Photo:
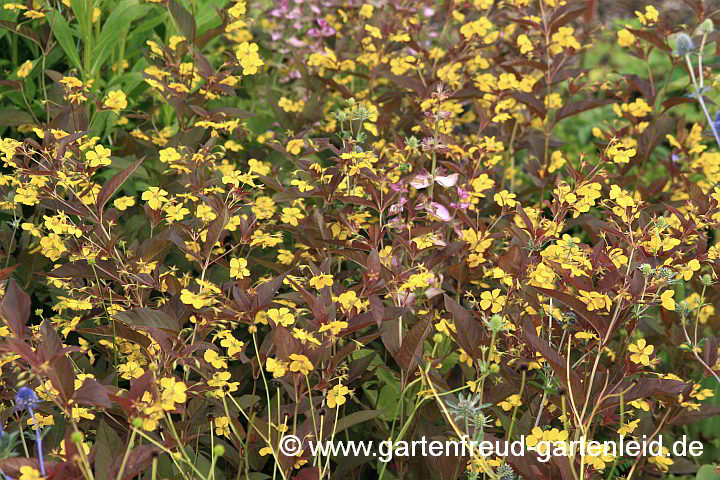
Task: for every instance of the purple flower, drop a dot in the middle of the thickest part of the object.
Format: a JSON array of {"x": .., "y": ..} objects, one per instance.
[{"x": 26, "y": 399}]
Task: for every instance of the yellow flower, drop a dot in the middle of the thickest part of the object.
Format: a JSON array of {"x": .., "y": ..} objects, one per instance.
[
  {"x": 155, "y": 197},
  {"x": 214, "y": 358},
  {"x": 29, "y": 473},
  {"x": 291, "y": 215},
  {"x": 261, "y": 168},
  {"x": 504, "y": 198},
  {"x": 625, "y": 38},
  {"x": 222, "y": 426},
  {"x": 334, "y": 327},
  {"x": 641, "y": 352},
  {"x": 232, "y": 344},
  {"x": 346, "y": 299},
  {"x": 281, "y": 316},
  {"x": 668, "y": 302},
  {"x": 264, "y": 207},
  {"x": 294, "y": 147},
  {"x": 237, "y": 10},
  {"x": 172, "y": 390},
  {"x": 238, "y": 268},
  {"x": 650, "y": 16},
  {"x": 98, "y": 157},
  {"x": 492, "y": 300},
  {"x": 620, "y": 155},
  {"x": 300, "y": 363},
  {"x": 205, "y": 213},
  {"x": 169, "y": 155},
  {"x": 336, "y": 396},
  {"x": 563, "y": 38},
  {"x": 175, "y": 212},
  {"x": 510, "y": 402},
  {"x": 479, "y": 27},
  {"x": 249, "y": 59},
  {"x": 197, "y": 300},
  {"x": 641, "y": 404},
  {"x": 629, "y": 427},
  {"x": 585, "y": 335},
  {"x": 366, "y": 10},
  {"x": 122, "y": 203},
  {"x": 524, "y": 43},
  {"x": 116, "y": 101},
  {"x": 25, "y": 69},
  {"x": 321, "y": 281},
  {"x": 130, "y": 370},
  {"x": 662, "y": 461},
  {"x": 595, "y": 300},
  {"x": 686, "y": 271},
  {"x": 43, "y": 420},
  {"x": 277, "y": 367}
]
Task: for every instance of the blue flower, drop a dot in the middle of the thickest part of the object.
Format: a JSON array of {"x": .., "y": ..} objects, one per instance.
[{"x": 26, "y": 399}]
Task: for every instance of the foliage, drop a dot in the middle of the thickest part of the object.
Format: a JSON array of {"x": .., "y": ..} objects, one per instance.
[{"x": 223, "y": 223}]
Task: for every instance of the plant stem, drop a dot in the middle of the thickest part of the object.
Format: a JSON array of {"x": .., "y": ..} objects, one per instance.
[
  {"x": 127, "y": 454},
  {"x": 38, "y": 441},
  {"x": 701, "y": 101}
]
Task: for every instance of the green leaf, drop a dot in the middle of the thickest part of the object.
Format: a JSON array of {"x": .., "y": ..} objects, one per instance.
[
  {"x": 708, "y": 472},
  {"x": 15, "y": 118},
  {"x": 111, "y": 34},
  {"x": 108, "y": 443},
  {"x": 355, "y": 418},
  {"x": 7, "y": 15},
  {"x": 387, "y": 402},
  {"x": 81, "y": 11},
  {"x": 64, "y": 35}
]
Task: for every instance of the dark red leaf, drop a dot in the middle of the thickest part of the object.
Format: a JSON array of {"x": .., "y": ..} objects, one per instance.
[
  {"x": 15, "y": 309},
  {"x": 112, "y": 185}
]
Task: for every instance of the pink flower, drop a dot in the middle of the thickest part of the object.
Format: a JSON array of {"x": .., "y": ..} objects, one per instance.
[
  {"x": 325, "y": 29},
  {"x": 463, "y": 197},
  {"x": 447, "y": 180},
  {"x": 397, "y": 208},
  {"x": 438, "y": 210},
  {"x": 398, "y": 187},
  {"x": 423, "y": 179}
]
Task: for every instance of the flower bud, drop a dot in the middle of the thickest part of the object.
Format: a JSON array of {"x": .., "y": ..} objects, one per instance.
[
  {"x": 219, "y": 450},
  {"x": 76, "y": 438},
  {"x": 705, "y": 28},
  {"x": 137, "y": 422},
  {"x": 496, "y": 323}
]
